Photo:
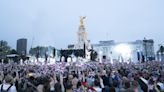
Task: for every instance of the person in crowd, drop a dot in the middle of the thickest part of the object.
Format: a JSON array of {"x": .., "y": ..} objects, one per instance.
[
  {"x": 90, "y": 77},
  {"x": 8, "y": 84},
  {"x": 97, "y": 87}
]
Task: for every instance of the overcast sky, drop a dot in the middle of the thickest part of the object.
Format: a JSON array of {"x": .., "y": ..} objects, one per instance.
[{"x": 55, "y": 22}]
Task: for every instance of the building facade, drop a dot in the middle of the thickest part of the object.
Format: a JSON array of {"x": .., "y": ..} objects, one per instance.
[
  {"x": 148, "y": 49},
  {"x": 22, "y": 46},
  {"x": 138, "y": 50}
]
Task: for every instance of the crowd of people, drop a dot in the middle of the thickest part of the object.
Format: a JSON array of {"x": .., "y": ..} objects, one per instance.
[{"x": 83, "y": 77}]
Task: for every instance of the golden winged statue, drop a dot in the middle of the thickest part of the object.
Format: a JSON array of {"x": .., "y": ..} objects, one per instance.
[{"x": 82, "y": 20}]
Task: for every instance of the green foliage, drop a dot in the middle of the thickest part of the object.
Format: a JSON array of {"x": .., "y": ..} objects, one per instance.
[
  {"x": 93, "y": 55},
  {"x": 4, "y": 48},
  {"x": 13, "y": 51},
  {"x": 161, "y": 49}
]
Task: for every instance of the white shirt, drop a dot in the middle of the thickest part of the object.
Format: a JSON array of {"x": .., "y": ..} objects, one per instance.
[
  {"x": 6, "y": 86},
  {"x": 98, "y": 89}
]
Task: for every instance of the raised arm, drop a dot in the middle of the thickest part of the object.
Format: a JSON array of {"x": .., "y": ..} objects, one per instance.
[
  {"x": 101, "y": 82},
  {"x": 61, "y": 82}
]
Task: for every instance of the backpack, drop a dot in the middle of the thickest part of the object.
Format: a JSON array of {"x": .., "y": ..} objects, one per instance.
[{"x": 5, "y": 90}]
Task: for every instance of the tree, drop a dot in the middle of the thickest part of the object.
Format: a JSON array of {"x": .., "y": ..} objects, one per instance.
[
  {"x": 93, "y": 55},
  {"x": 160, "y": 53},
  {"x": 4, "y": 48},
  {"x": 13, "y": 51},
  {"x": 161, "y": 49}
]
